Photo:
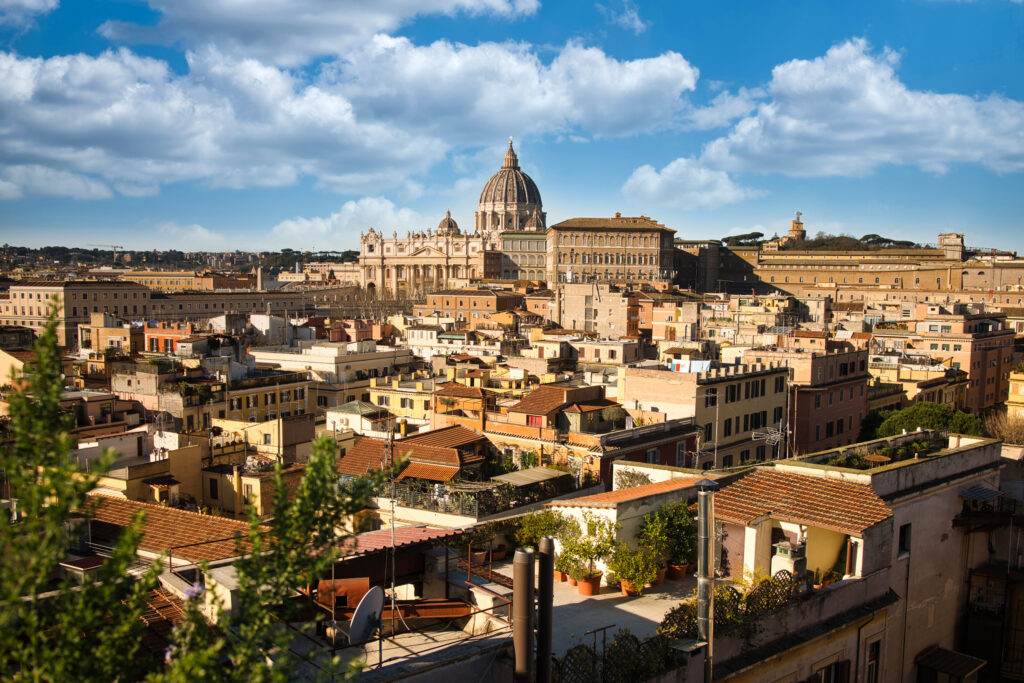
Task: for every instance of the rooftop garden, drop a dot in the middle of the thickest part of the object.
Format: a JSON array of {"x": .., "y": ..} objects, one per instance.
[{"x": 882, "y": 452}]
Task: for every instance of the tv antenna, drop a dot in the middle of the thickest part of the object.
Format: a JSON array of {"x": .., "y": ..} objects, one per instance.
[{"x": 773, "y": 436}]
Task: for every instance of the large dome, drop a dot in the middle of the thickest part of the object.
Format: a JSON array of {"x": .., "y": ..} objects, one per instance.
[
  {"x": 509, "y": 199},
  {"x": 510, "y": 185}
]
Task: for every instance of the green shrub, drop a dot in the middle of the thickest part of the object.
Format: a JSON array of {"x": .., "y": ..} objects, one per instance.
[{"x": 639, "y": 567}]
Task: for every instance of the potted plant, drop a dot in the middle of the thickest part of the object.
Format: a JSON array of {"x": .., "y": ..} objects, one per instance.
[
  {"x": 654, "y": 537},
  {"x": 537, "y": 525},
  {"x": 562, "y": 565},
  {"x": 634, "y": 568},
  {"x": 681, "y": 533},
  {"x": 596, "y": 541}
]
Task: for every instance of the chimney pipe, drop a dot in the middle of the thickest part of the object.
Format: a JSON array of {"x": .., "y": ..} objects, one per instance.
[
  {"x": 705, "y": 570},
  {"x": 522, "y": 615},
  {"x": 545, "y": 605}
]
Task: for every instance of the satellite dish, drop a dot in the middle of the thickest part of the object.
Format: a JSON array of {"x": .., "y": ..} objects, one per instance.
[{"x": 367, "y": 616}]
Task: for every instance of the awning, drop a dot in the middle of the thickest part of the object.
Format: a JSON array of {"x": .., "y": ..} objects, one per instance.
[
  {"x": 955, "y": 664},
  {"x": 162, "y": 482},
  {"x": 532, "y": 475},
  {"x": 422, "y": 470},
  {"x": 979, "y": 493}
]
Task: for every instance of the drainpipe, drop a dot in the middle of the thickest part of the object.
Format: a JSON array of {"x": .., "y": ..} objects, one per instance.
[
  {"x": 705, "y": 570},
  {"x": 522, "y": 615}
]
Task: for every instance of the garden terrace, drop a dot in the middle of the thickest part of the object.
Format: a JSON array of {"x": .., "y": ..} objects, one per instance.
[{"x": 885, "y": 452}]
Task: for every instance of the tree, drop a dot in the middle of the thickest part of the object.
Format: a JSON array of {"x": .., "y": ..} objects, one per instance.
[
  {"x": 54, "y": 631},
  {"x": 1002, "y": 426},
  {"x": 626, "y": 478},
  {"x": 931, "y": 416},
  {"x": 51, "y": 630}
]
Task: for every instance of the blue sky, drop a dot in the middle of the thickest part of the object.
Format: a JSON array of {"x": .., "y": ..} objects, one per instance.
[{"x": 263, "y": 124}]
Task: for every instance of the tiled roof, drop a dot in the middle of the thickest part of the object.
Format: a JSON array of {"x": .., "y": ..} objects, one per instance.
[
  {"x": 590, "y": 406},
  {"x": 24, "y": 355},
  {"x": 422, "y": 470},
  {"x": 613, "y": 223},
  {"x": 610, "y": 499},
  {"x": 460, "y": 391},
  {"x": 446, "y": 437},
  {"x": 826, "y": 503},
  {"x": 373, "y": 541},
  {"x": 206, "y": 537},
  {"x": 541, "y": 401},
  {"x": 366, "y": 456}
]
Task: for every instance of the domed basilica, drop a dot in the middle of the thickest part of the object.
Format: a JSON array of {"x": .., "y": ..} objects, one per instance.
[{"x": 447, "y": 258}]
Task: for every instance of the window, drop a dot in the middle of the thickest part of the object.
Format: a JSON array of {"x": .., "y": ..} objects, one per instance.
[
  {"x": 744, "y": 456},
  {"x": 836, "y": 672},
  {"x": 709, "y": 432},
  {"x": 904, "y": 540},
  {"x": 535, "y": 420},
  {"x": 817, "y": 400},
  {"x": 711, "y": 397},
  {"x": 652, "y": 456},
  {"x": 681, "y": 454},
  {"x": 727, "y": 461},
  {"x": 213, "y": 489},
  {"x": 727, "y": 428},
  {"x": 760, "y": 453},
  {"x": 873, "y": 663},
  {"x": 266, "y": 439},
  {"x": 247, "y": 491}
]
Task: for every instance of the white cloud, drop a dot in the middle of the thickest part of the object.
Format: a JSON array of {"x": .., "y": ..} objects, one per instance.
[
  {"x": 22, "y": 12},
  {"x": 723, "y": 110},
  {"x": 475, "y": 93},
  {"x": 291, "y": 32},
  {"x": 340, "y": 227},
  {"x": 628, "y": 17},
  {"x": 684, "y": 183},
  {"x": 847, "y": 113},
  {"x": 369, "y": 124},
  {"x": 41, "y": 180}
]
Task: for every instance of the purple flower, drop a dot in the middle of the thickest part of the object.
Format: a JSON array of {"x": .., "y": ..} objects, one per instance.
[{"x": 194, "y": 591}]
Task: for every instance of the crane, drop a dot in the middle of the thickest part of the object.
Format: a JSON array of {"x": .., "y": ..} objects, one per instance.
[{"x": 112, "y": 247}]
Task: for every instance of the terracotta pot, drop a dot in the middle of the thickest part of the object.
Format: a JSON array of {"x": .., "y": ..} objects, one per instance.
[
  {"x": 497, "y": 555},
  {"x": 660, "y": 579},
  {"x": 559, "y": 576},
  {"x": 678, "y": 572},
  {"x": 628, "y": 589},
  {"x": 479, "y": 557},
  {"x": 572, "y": 581},
  {"x": 590, "y": 585}
]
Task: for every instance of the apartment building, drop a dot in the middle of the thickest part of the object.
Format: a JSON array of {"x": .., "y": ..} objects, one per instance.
[
  {"x": 468, "y": 304},
  {"x": 731, "y": 405},
  {"x": 405, "y": 396},
  {"x": 967, "y": 338},
  {"x": 606, "y": 310},
  {"x": 28, "y": 304},
  {"x": 105, "y": 331},
  {"x": 620, "y": 248},
  {"x": 920, "y": 378},
  {"x": 827, "y": 395}
]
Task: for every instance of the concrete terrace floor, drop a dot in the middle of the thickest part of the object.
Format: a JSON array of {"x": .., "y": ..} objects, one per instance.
[{"x": 574, "y": 614}]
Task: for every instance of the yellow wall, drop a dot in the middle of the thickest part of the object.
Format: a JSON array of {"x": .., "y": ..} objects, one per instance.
[{"x": 823, "y": 548}]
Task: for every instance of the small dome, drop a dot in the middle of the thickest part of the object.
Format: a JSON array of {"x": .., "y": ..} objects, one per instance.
[
  {"x": 510, "y": 185},
  {"x": 448, "y": 226}
]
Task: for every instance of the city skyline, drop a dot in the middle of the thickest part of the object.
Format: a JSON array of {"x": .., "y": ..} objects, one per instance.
[{"x": 210, "y": 125}]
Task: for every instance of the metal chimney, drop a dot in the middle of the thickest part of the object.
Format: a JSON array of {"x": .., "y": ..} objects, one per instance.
[
  {"x": 706, "y": 570},
  {"x": 522, "y": 615},
  {"x": 545, "y": 604}
]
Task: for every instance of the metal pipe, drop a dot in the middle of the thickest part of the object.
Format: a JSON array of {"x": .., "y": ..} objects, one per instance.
[
  {"x": 545, "y": 607},
  {"x": 705, "y": 570},
  {"x": 522, "y": 614}
]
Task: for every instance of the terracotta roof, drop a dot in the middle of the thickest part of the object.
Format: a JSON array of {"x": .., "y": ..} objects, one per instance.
[
  {"x": 541, "y": 401},
  {"x": 366, "y": 456},
  {"x": 610, "y": 499},
  {"x": 206, "y": 537},
  {"x": 590, "y": 406},
  {"x": 826, "y": 503},
  {"x": 613, "y": 223},
  {"x": 24, "y": 355},
  {"x": 373, "y": 541},
  {"x": 422, "y": 470},
  {"x": 460, "y": 391},
  {"x": 808, "y": 334},
  {"x": 446, "y": 437}
]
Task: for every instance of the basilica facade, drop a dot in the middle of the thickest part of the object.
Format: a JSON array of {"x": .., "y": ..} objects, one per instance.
[{"x": 447, "y": 257}]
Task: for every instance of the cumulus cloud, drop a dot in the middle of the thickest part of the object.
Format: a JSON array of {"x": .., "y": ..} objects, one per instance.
[
  {"x": 41, "y": 180},
  {"x": 628, "y": 17},
  {"x": 21, "y": 12},
  {"x": 473, "y": 93},
  {"x": 724, "y": 109},
  {"x": 847, "y": 113},
  {"x": 365, "y": 125},
  {"x": 291, "y": 32},
  {"x": 340, "y": 227},
  {"x": 685, "y": 184}
]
